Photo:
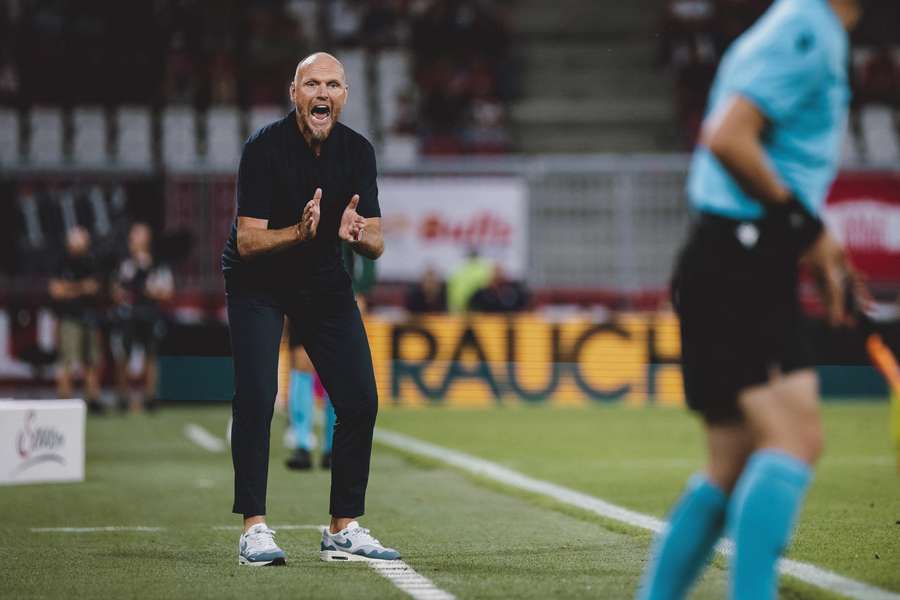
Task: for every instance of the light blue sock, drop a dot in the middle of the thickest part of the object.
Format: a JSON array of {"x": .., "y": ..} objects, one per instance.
[
  {"x": 684, "y": 547},
  {"x": 300, "y": 406},
  {"x": 328, "y": 432},
  {"x": 761, "y": 516}
]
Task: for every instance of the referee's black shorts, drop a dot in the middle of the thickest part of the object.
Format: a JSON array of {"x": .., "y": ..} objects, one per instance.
[{"x": 735, "y": 292}]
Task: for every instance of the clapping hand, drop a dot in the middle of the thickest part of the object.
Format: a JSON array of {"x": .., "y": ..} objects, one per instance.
[
  {"x": 309, "y": 222},
  {"x": 353, "y": 226}
]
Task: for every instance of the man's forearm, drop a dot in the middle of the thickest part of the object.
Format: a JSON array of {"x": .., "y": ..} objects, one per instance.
[
  {"x": 252, "y": 241},
  {"x": 745, "y": 160}
]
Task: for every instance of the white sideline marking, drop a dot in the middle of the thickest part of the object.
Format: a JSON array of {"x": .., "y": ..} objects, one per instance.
[
  {"x": 275, "y": 527},
  {"x": 203, "y": 438},
  {"x": 805, "y": 572},
  {"x": 407, "y": 580},
  {"x": 90, "y": 529}
]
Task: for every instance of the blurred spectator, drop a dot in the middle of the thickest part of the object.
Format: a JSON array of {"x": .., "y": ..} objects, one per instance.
[
  {"x": 501, "y": 295},
  {"x": 428, "y": 295},
  {"x": 139, "y": 286},
  {"x": 463, "y": 69},
  {"x": 381, "y": 24},
  {"x": 694, "y": 35},
  {"x": 198, "y": 53},
  {"x": 474, "y": 274},
  {"x": 274, "y": 46},
  {"x": 689, "y": 49},
  {"x": 181, "y": 80},
  {"x": 74, "y": 289},
  {"x": 880, "y": 77},
  {"x": 10, "y": 86},
  {"x": 223, "y": 77}
]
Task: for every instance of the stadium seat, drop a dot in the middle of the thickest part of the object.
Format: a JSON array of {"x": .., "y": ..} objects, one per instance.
[
  {"x": 89, "y": 146},
  {"x": 9, "y": 137},
  {"x": 179, "y": 138},
  {"x": 46, "y": 141},
  {"x": 880, "y": 135},
  {"x": 223, "y": 137},
  {"x": 399, "y": 150},
  {"x": 260, "y": 116},
  {"x": 356, "y": 114},
  {"x": 134, "y": 145}
]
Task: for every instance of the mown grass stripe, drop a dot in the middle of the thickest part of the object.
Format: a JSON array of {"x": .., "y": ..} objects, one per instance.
[{"x": 805, "y": 572}]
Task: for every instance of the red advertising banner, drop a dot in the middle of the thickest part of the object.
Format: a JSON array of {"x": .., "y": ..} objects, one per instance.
[{"x": 863, "y": 211}]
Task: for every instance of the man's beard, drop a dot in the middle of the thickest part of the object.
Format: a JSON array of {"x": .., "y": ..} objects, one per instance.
[{"x": 316, "y": 134}]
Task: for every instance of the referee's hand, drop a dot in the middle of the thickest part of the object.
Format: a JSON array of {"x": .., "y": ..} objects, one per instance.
[
  {"x": 835, "y": 276},
  {"x": 309, "y": 222}
]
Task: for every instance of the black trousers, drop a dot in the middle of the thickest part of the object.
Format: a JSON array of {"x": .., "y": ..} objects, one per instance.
[{"x": 334, "y": 337}]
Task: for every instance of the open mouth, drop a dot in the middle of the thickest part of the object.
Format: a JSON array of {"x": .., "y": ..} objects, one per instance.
[{"x": 320, "y": 113}]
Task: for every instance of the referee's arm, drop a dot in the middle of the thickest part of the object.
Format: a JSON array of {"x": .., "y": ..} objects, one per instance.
[{"x": 733, "y": 136}]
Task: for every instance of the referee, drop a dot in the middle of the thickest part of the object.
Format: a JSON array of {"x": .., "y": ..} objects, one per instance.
[
  {"x": 305, "y": 184},
  {"x": 768, "y": 153}
]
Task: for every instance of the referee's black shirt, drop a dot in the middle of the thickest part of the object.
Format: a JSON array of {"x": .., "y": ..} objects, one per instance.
[{"x": 277, "y": 176}]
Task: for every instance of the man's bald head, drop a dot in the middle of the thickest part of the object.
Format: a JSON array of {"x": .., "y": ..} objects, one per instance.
[{"x": 317, "y": 59}]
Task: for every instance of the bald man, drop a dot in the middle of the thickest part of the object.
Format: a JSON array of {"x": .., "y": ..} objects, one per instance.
[{"x": 306, "y": 183}]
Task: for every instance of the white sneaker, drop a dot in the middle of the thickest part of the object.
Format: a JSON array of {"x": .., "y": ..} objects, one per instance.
[
  {"x": 353, "y": 543},
  {"x": 257, "y": 548}
]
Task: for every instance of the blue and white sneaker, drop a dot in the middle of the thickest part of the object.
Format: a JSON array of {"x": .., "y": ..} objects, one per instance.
[
  {"x": 353, "y": 543},
  {"x": 257, "y": 548}
]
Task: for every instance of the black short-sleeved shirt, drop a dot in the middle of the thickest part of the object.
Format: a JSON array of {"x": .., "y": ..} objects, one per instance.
[
  {"x": 71, "y": 269},
  {"x": 278, "y": 175}
]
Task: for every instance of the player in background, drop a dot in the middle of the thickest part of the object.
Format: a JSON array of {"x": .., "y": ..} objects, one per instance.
[
  {"x": 301, "y": 400},
  {"x": 302, "y": 411},
  {"x": 768, "y": 153}
]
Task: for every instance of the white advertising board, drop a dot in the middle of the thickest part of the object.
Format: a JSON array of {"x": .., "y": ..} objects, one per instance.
[
  {"x": 41, "y": 441},
  {"x": 435, "y": 221}
]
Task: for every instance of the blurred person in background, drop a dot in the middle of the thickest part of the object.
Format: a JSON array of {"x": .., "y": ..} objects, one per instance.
[
  {"x": 429, "y": 295},
  {"x": 283, "y": 258},
  {"x": 75, "y": 289},
  {"x": 301, "y": 401},
  {"x": 139, "y": 285},
  {"x": 769, "y": 151},
  {"x": 500, "y": 295},
  {"x": 881, "y": 78},
  {"x": 472, "y": 275}
]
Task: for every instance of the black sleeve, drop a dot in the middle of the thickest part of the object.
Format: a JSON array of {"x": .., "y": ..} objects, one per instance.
[
  {"x": 254, "y": 183},
  {"x": 367, "y": 184}
]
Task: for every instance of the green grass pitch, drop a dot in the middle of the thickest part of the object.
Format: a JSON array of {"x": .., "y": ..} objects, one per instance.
[{"x": 473, "y": 538}]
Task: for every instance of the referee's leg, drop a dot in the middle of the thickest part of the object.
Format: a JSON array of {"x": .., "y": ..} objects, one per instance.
[
  {"x": 340, "y": 353},
  {"x": 255, "y": 324}
]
